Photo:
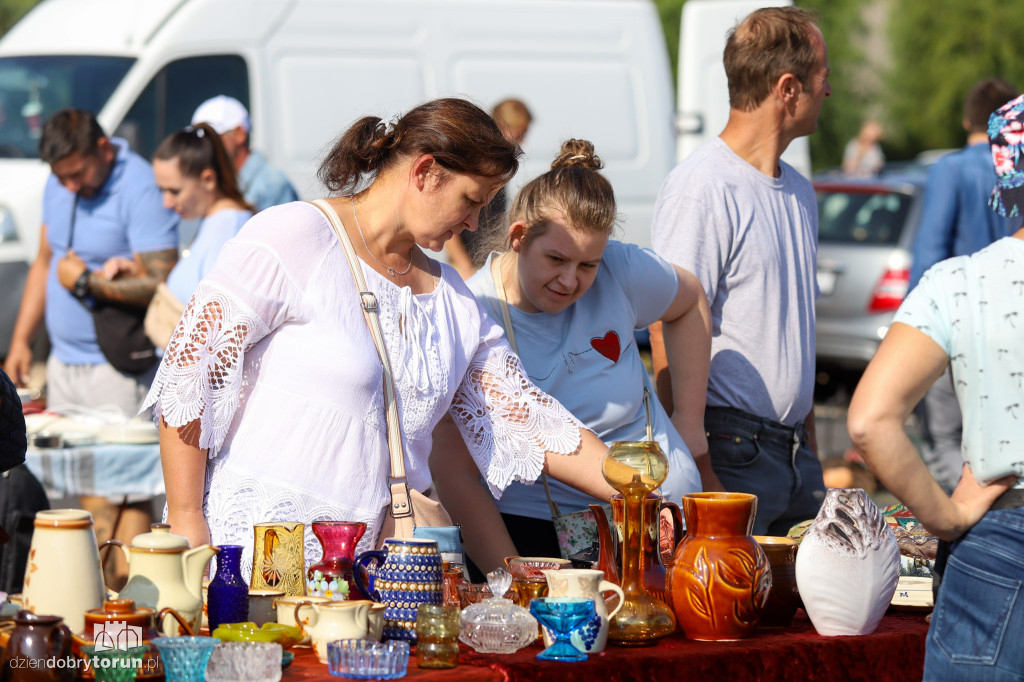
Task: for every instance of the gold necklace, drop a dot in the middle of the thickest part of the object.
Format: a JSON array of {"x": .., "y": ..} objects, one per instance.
[{"x": 391, "y": 270}]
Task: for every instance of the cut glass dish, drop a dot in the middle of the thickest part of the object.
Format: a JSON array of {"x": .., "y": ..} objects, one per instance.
[{"x": 497, "y": 625}]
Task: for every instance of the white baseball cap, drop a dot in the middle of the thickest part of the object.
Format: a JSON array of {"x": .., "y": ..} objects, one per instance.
[{"x": 222, "y": 113}]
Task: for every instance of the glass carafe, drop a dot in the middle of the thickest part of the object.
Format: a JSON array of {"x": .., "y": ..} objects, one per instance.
[
  {"x": 334, "y": 575},
  {"x": 636, "y": 468}
]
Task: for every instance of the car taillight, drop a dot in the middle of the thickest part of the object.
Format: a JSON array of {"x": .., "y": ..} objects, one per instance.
[{"x": 889, "y": 291}]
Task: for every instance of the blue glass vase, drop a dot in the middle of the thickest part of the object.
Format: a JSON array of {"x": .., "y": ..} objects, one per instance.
[{"x": 228, "y": 595}]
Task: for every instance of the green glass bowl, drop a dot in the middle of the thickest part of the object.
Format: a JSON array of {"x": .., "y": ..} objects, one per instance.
[{"x": 285, "y": 635}]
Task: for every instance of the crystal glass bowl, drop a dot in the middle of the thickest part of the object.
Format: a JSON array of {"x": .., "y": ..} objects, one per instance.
[
  {"x": 365, "y": 659},
  {"x": 497, "y": 625},
  {"x": 245, "y": 662}
]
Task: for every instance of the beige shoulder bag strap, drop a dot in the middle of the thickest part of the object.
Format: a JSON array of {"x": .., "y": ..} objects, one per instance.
[
  {"x": 401, "y": 507},
  {"x": 511, "y": 334}
]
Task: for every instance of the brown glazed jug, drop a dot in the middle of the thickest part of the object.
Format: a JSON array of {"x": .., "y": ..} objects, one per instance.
[
  {"x": 39, "y": 639},
  {"x": 719, "y": 578},
  {"x": 652, "y": 568}
]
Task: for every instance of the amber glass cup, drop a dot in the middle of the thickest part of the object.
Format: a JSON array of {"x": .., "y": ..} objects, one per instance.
[{"x": 437, "y": 636}]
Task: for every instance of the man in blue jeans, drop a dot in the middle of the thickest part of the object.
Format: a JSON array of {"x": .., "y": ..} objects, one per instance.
[
  {"x": 746, "y": 223},
  {"x": 966, "y": 313},
  {"x": 957, "y": 221}
]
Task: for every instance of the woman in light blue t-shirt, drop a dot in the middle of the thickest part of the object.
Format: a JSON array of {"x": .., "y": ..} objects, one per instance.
[
  {"x": 574, "y": 300},
  {"x": 197, "y": 180}
]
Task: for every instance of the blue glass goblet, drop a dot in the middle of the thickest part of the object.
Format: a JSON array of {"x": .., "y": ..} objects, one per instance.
[{"x": 562, "y": 615}]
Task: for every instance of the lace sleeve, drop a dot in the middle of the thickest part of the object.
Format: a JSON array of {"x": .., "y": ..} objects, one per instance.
[
  {"x": 507, "y": 422},
  {"x": 201, "y": 373}
]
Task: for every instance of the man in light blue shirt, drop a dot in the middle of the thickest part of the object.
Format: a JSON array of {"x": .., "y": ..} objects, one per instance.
[
  {"x": 956, "y": 221},
  {"x": 262, "y": 184},
  {"x": 100, "y": 202}
]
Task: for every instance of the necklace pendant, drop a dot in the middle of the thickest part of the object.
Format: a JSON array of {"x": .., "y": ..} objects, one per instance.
[{"x": 391, "y": 271}]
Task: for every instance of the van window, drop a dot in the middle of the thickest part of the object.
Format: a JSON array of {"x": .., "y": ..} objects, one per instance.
[
  {"x": 172, "y": 96},
  {"x": 33, "y": 88}
]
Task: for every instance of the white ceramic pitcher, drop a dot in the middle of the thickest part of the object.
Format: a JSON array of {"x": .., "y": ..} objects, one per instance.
[
  {"x": 340, "y": 620},
  {"x": 63, "y": 575},
  {"x": 587, "y": 583}
]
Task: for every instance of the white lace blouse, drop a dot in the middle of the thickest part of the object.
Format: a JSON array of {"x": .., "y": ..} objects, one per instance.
[{"x": 273, "y": 357}]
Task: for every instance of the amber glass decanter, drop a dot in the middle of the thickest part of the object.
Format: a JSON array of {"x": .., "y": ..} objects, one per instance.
[{"x": 635, "y": 468}]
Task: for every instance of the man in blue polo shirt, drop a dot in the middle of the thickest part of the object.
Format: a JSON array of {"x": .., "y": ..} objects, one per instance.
[{"x": 100, "y": 201}]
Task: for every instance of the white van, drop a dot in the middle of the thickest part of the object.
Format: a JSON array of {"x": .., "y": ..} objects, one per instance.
[{"x": 307, "y": 68}]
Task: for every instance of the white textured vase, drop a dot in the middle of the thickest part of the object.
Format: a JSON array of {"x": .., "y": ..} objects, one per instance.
[{"x": 847, "y": 565}]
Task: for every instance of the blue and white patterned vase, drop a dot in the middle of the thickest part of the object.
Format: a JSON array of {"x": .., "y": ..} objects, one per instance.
[
  {"x": 228, "y": 595},
  {"x": 408, "y": 573}
]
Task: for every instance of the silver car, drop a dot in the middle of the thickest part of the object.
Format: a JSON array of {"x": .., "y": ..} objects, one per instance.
[{"x": 865, "y": 236}]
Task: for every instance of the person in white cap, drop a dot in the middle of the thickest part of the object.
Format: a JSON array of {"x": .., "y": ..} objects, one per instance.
[{"x": 262, "y": 184}]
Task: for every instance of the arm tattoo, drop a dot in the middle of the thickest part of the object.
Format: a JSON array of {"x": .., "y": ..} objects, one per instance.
[{"x": 135, "y": 291}]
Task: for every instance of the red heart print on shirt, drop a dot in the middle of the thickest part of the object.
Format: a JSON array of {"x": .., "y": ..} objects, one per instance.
[{"x": 607, "y": 345}]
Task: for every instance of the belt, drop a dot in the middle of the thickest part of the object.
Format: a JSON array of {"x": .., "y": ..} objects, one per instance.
[
  {"x": 797, "y": 429},
  {"x": 1011, "y": 499}
]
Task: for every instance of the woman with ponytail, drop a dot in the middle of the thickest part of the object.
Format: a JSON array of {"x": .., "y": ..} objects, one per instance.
[
  {"x": 198, "y": 182},
  {"x": 269, "y": 398},
  {"x": 569, "y": 299}
]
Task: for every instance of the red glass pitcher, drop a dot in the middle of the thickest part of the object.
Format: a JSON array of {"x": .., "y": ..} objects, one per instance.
[{"x": 334, "y": 575}]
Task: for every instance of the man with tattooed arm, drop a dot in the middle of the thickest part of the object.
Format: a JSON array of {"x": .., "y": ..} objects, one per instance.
[{"x": 100, "y": 201}]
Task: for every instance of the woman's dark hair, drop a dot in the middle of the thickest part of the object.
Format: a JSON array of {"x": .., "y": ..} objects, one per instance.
[
  {"x": 197, "y": 148},
  {"x": 573, "y": 187},
  {"x": 461, "y": 137}
]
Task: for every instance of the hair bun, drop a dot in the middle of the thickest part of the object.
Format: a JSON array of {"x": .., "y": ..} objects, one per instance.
[{"x": 577, "y": 153}]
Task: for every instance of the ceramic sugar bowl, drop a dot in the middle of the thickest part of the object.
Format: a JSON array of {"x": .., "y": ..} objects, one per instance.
[{"x": 164, "y": 572}]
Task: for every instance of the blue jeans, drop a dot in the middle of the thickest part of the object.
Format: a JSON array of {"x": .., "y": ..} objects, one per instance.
[
  {"x": 756, "y": 455},
  {"x": 979, "y": 613}
]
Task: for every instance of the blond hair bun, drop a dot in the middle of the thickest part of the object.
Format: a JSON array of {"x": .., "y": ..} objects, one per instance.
[{"x": 577, "y": 153}]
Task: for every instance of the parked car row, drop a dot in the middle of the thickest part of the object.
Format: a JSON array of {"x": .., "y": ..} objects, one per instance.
[{"x": 865, "y": 237}]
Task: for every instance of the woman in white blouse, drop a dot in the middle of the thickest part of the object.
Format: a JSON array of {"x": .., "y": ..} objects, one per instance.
[{"x": 269, "y": 397}]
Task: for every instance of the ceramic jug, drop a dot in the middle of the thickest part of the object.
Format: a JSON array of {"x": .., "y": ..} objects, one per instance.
[
  {"x": 278, "y": 557},
  {"x": 408, "y": 573},
  {"x": 63, "y": 575},
  {"x": 119, "y": 622},
  {"x": 652, "y": 567},
  {"x": 591, "y": 637},
  {"x": 330, "y": 621},
  {"x": 34, "y": 641},
  {"x": 719, "y": 579},
  {"x": 848, "y": 565},
  {"x": 164, "y": 572}
]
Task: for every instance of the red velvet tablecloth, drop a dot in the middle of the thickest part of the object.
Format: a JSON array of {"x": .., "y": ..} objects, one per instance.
[{"x": 895, "y": 651}]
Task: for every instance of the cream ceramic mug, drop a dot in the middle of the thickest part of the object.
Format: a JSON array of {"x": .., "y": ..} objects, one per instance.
[
  {"x": 591, "y": 637},
  {"x": 340, "y": 620}
]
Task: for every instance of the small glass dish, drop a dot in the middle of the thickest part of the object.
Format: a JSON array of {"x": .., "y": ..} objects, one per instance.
[
  {"x": 497, "y": 625},
  {"x": 185, "y": 658},
  {"x": 365, "y": 659},
  {"x": 285, "y": 635},
  {"x": 245, "y": 662}
]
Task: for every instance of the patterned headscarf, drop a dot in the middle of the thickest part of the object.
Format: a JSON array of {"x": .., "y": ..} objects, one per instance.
[{"x": 1006, "y": 136}]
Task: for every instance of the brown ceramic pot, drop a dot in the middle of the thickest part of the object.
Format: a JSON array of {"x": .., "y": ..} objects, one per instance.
[
  {"x": 719, "y": 579},
  {"x": 39, "y": 639},
  {"x": 117, "y": 618},
  {"x": 784, "y": 598}
]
